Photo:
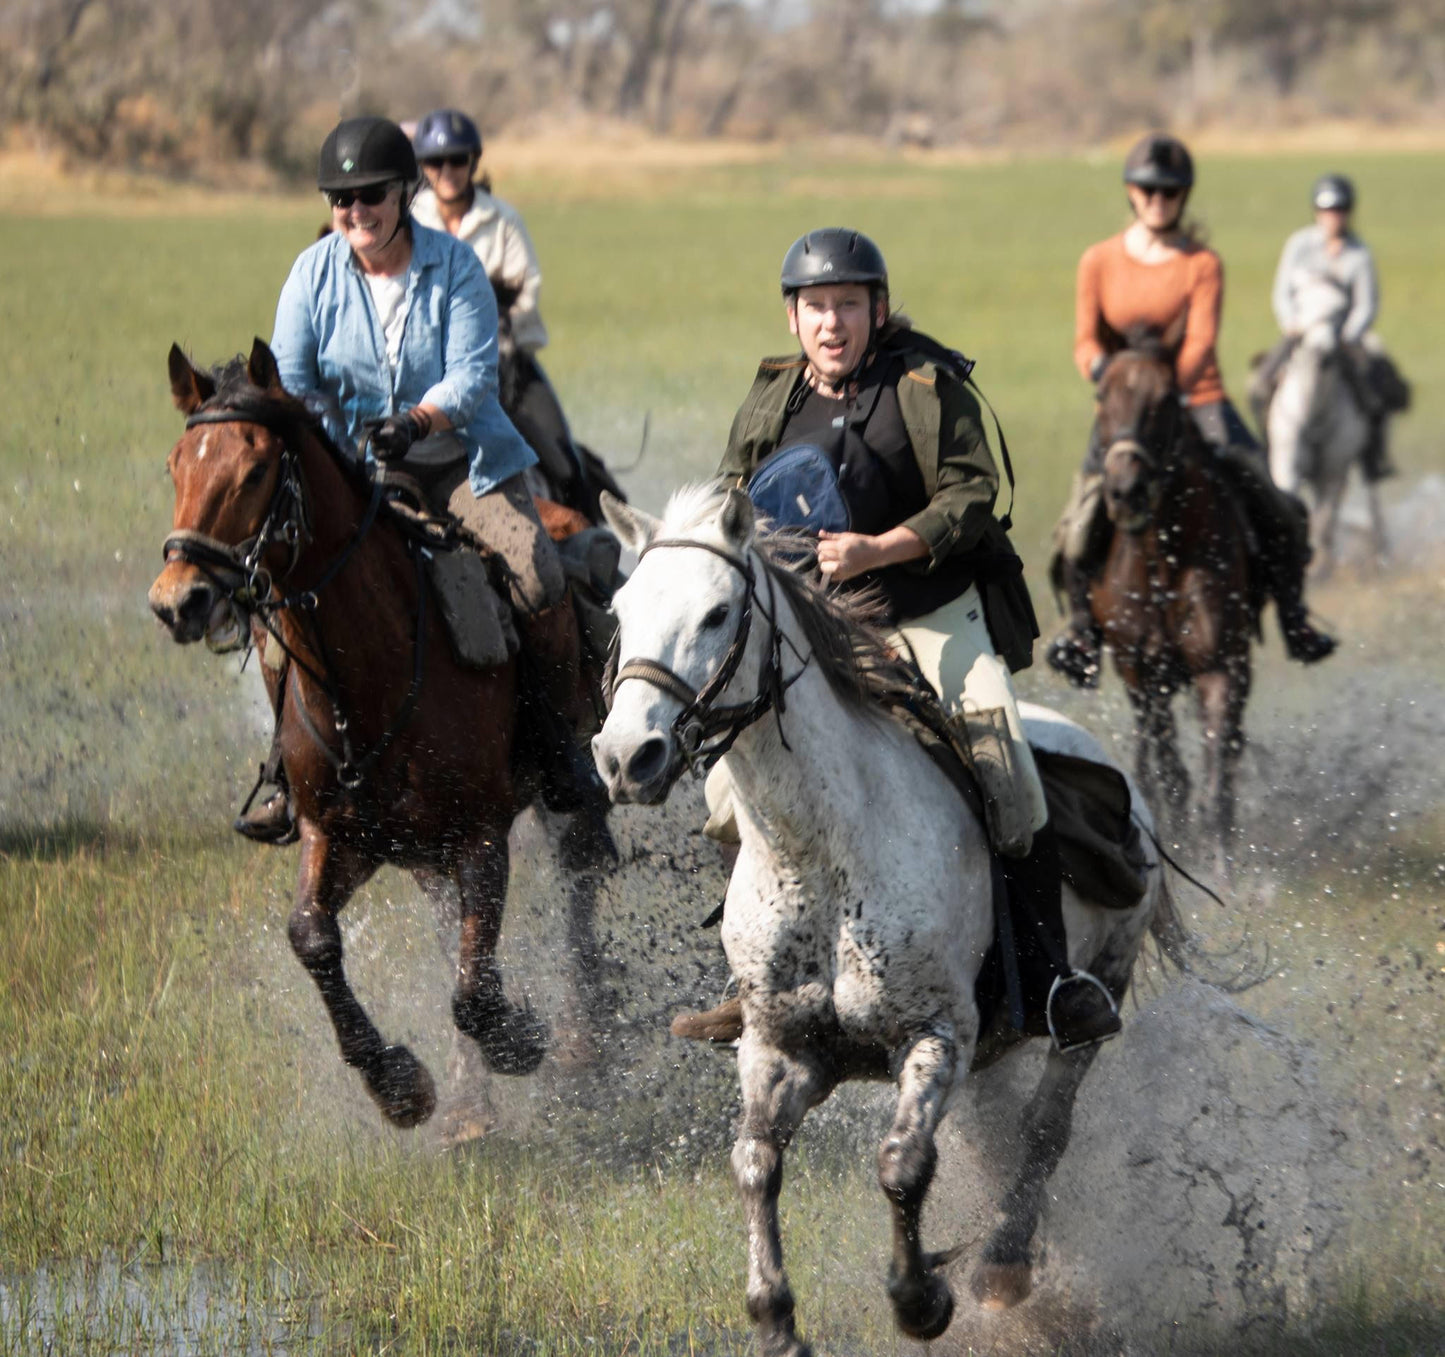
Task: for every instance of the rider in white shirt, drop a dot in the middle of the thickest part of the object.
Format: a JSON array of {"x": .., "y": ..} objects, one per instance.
[
  {"x": 1330, "y": 255},
  {"x": 459, "y": 201}
]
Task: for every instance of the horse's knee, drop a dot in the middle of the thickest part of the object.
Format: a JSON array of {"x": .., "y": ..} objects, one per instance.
[
  {"x": 906, "y": 1165},
  {"x": 758, "y": 1167},
  {"x": 315, "y": 938}
]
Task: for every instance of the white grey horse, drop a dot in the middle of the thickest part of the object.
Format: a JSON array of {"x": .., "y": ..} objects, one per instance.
[
  {"x": 1317, "y": 430},
  {"x": 859, "y": 910}
]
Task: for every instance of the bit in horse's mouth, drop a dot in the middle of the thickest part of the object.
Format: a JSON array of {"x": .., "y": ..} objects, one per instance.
[{"x": 225, "y": 628}]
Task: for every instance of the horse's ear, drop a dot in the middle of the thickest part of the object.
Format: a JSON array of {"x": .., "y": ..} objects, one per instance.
[
  {"x": 261, "y": 367},
  {"x": 190, "y": 388},
  {"x": 736, "y": 517},
  {"x": 635, "y": 528}
]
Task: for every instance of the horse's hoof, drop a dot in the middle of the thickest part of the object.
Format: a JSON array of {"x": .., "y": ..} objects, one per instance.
[
  {"x": 463, "y": 1123},
  {"x": 1001, "y": 1286},
  {"x": 925, "y": 1310},
  {"x": 400, "y": 1085},
  {"x": 517, "y": 1044}
]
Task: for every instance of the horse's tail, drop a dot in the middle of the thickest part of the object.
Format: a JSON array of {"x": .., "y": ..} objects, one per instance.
[{"x": 1168, "y": 928}]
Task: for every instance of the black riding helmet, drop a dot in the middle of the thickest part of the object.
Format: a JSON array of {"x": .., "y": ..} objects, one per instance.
[
  {"x": 1332, "y": 193},
  {"x": 1159, "y": 161},
  {"x": 833, "y": 254},
  {"x": 363, "y": 151}
]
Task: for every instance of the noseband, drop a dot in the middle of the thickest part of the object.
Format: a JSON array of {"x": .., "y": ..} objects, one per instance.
[{"x": 700, "y": 719}]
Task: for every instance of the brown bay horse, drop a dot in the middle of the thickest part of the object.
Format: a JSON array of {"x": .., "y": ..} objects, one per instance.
[
  {"x": 1174, "y": 599},
  {"x": 394, "y": 751}
]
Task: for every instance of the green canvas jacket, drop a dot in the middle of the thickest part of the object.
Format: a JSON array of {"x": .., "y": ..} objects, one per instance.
[{"x": 945, "y": 429}]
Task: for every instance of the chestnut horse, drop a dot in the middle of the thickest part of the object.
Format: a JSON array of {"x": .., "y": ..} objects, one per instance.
[
  {"x": 1174, "y": 599},
  {"x": 394, "y": 751}
]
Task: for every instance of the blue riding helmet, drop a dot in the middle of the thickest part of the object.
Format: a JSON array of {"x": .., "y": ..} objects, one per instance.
[{"x": 446, "y": 131}]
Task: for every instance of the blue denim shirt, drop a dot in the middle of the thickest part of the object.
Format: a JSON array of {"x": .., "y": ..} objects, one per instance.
[{"x": 331, "y": 350}]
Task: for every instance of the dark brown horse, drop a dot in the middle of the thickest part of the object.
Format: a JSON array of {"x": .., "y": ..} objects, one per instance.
[
  {"x": 1174, "y": 599},
  {"x": 394, "y": 751}
]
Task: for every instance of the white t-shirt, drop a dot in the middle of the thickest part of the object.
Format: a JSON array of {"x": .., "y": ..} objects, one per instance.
[{"x": 388, "y": 293}]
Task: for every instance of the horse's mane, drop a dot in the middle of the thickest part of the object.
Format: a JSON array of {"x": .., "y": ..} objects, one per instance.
[
  {"x": 235, "y": 389},
  {"x": 844, "y": 628}
]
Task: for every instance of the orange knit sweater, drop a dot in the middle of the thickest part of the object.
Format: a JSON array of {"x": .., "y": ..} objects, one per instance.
[{"x": 1116, "y": 291}]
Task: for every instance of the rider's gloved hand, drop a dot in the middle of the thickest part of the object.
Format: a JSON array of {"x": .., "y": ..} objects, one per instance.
[
  {"x": 392, "y": 437},
  {"x": 1098, "y": 367}
]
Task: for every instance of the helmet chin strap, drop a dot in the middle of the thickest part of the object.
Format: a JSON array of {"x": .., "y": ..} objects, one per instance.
[{"x": 403, "y": 216}]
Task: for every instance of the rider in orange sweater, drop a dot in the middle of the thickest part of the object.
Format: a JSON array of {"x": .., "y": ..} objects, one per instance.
[{"x": 1158, "y": 275}]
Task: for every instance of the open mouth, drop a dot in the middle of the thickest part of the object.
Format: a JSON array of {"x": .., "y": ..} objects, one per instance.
[{"x": 225, "y": 628}]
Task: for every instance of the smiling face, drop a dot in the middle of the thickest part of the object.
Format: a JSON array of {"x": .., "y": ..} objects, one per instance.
[
  {"x": 369, "y": 230},
  {"x": 450, "y": 177},
  {"x": 1158, "y": 208},
  {"x": 832, "y": 324}
]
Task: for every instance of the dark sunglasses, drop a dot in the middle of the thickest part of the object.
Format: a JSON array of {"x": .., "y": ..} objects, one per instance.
[
  {"x": 460, "y": 161},
  {"x": 369, "y": 196},
  {"x": 1168, "y": 194}
]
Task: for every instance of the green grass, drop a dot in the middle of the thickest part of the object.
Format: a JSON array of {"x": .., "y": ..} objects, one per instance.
[{"x": 181, "y": 1152}]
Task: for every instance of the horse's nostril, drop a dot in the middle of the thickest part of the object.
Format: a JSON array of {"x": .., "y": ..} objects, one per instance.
[
  {"x": 648, "y": 761},
  {"x": 196, "y": 605}
]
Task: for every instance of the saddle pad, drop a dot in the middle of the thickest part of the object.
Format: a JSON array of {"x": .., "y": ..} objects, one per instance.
[{"x": 478, "y": 622}]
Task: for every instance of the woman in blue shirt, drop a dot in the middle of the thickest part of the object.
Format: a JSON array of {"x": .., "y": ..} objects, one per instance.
[{"x": 389, "y": 329}]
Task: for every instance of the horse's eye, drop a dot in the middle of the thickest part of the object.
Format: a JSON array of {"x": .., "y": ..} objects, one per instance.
[
  {"x": 715, "y": 618},
  {"x": 255, "y": 475}
]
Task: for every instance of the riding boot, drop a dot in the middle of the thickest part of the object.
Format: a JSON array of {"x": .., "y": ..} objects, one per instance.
[
  {"x": 271, "y": 821},
  {"x": 555, "y": 703},
  {"x": 1071, "y": 1006},
  {"x": 1281, "y": 527},
  {"x": 1074, "y": 652}
]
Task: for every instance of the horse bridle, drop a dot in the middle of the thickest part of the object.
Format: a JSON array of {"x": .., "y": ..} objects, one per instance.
[
  {"x": 700, "y": 719},
  {"x": 237, "y": 572}
]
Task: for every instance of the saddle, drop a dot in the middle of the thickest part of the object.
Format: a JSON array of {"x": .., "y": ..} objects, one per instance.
[
  {"x": 1091, "y": 841},
  {"x": 469, "y": 582}
]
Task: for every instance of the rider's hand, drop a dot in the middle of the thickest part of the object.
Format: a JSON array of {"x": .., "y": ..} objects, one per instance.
[
  {"x": 842, "y": 555},
  {"x": 392, "y": 437}
]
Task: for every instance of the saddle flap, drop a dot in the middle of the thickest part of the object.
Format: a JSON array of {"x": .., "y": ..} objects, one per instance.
[
  {"x": 479, "y": 623},
  {"x": 1100, "y": 848}
]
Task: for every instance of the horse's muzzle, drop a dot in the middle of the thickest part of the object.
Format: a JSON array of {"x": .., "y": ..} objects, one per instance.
[
  {"x": 641, "y": 773},
  {"x": 188, "y": 606},
  {"x": 1131, "y": 491}
]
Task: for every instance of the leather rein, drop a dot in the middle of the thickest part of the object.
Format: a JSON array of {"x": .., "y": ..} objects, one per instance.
[
  {"x": 705, "y": 731},
  {"x": 237, "y": 572}
]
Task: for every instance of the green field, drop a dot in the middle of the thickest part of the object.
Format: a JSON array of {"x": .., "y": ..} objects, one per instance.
[{"x": 184, "y": 1163}]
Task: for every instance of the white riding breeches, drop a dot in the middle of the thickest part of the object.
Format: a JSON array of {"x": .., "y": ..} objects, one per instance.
[{"x": 955, "y": 652}]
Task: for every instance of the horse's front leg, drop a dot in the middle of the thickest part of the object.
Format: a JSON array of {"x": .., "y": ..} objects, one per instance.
[
  {"x": 1325, "y": 525},
  {"x": 778, "y": 1089},
  {"x": 922, "y": 1302},
  {"x": 1222, "y": 694},
  {"x": 396, "y": 1080},
  {"x": 1004, "y": 1277},
  {"x": 587, "y": 854},
  {"x": 513, "y": 1039},
  {"x": 1379, "y": 537}
]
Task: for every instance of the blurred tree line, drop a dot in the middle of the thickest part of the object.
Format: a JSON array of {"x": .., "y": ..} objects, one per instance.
[{"x": 188, "y": 83}]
